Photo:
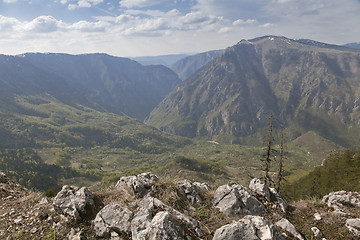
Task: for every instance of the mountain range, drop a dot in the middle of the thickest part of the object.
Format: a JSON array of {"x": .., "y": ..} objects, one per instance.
[
  {"x": 100, "y": 81},
  {"x": 306, "y": 85}
]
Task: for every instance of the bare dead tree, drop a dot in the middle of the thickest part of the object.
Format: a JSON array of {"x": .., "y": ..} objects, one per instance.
[
  {"x": 280, "y": 176},
  {"x": 267, "y": 160}
]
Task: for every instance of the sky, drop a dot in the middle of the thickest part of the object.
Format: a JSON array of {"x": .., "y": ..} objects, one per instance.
[{"x": 130, "y": 28}]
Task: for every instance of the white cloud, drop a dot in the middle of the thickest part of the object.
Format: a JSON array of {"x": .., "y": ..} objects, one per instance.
[
  {"x": 7, "y": 24},
  {"x": 9, "y": 1},
  {"x": 266, "y": 25},
  {"x": 140, "y": 3},
  {"x": 81, "y": 3},
  {"x": 42, "y": 24},
  {"x": 242, "y": 22},
  {"x": 85, "y": 26}
]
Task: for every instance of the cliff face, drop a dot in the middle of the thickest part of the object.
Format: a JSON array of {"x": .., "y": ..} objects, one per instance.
[{"x": 302, "y": 82}]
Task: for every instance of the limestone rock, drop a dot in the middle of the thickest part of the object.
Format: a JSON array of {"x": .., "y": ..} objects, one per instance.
[
  {"x": 353, "y": 225},
  {"x": 283, "y": 205},
  {"x": 317, "y": 216},
  {"x": 163, "y": 226},
  {"x": 233, "y": 199},
  {"x": 341, "y": 198},
  {"x": 170, "y": 224},
  {"x": 139, "y": 184},
  {"x": 260, "y": 188},
  {"x": 74, "y": 201},
  {"x": 317, "y": 232},
  {"x": 289, "y": 227},
  {"x": 249, "y": 228},
  {"x": 113, "y": 217},
  {"x": 192, "y": 191}
]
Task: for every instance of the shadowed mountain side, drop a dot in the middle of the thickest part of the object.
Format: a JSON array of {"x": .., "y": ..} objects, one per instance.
[
  {"x": 118, "y": 85},
  {"x": 189, "y": 65}
]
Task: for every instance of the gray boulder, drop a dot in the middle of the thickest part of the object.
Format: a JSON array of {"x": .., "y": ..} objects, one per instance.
[
  {"x": 170, "y": 224},
  {"x": 279, "y": 201},
  {"x": 249, "y": 228},
  {"x": 353, "y": 225},
  {"x": 139, "y": 184},
  {"x": 113, "y": 218},
  {"x": 74, "y": 201},
  {"x": 163, "y": 226},
  {"x": 285, "y": 225},
  {"x": 233, "y": 199},
  {"x": 192, "y": 191},
  {"x": 258, "y": 187},
  {"x": 269, "y": 194},
  {"x": 338, "y": 200}
]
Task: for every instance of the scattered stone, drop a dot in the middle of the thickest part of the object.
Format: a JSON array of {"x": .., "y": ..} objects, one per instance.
[
  {"x": 191, "y": 191},
  {"x": 317, "y": 232},
  {"x": 18, "y": 220},
  {"x": 338, "y": 200},
  {"x": 139, "y": 184},
  {"x": 33, "y": 230},
  {"x": 353, "y": 225},
  {"x": 74, "y": 201},
  {"x": 232, "y": 199},
  {"x": 44, "y": 201},
  {"x": 249, "y": 228},
  {"x": 289, "y": 227},
  {"x": 317, "y": 216},
  {"x": 113, "y": 217},
  {"x": 203, "y": 186},
  {"x": 260, "y": 188}
]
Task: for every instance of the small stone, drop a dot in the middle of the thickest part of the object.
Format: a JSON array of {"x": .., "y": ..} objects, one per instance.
[
  {"x": 317, "y": 232},
  {"x": 18, "y": 220},
  {"x": 289, "y": 227},
  {"x": 44, "y": 201},
  {"x": 317, "y": 216},
  {"x": 33, "y": 230},
  {"x": 353, "y": 225}
]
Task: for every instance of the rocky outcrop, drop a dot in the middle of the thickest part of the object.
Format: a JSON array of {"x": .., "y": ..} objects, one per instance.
[
  {"x": 192, "y": 191},
  {"x": 74, "y": 201},
  {"x": 249, "y": 228},
  {"x": 269, "y": 194},
  {"x": 138, "y": 185},
  {"x": 258, "y": 187},
  {"x": 287, "y": 226},
  {"x": 338, "y": 200},
  {"x": 113, "y": 218},
  {"x": 353, "y": 225},
  {"x": 148, "y": 224},
  {"x": 232, "y": 199},
  {"x": 9, "y": 188}
]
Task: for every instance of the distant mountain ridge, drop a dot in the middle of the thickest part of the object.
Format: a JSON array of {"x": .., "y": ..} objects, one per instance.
[
  {"x": 113, "y": 84},
  {"x": 185, "y": 67},
  {"x": 304, "y": 83}
]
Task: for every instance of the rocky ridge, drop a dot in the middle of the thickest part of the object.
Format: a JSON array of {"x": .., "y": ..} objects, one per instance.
[
  {"x": 173, "y": 210},
  {"x": 302, "y": 82}
]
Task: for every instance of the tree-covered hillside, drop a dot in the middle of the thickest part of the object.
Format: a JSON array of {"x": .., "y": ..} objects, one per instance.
[{"x": 340, "y": 171}]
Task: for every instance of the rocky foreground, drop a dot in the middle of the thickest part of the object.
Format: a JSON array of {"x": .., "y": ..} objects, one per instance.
[{"x": 144, "y": 207}]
